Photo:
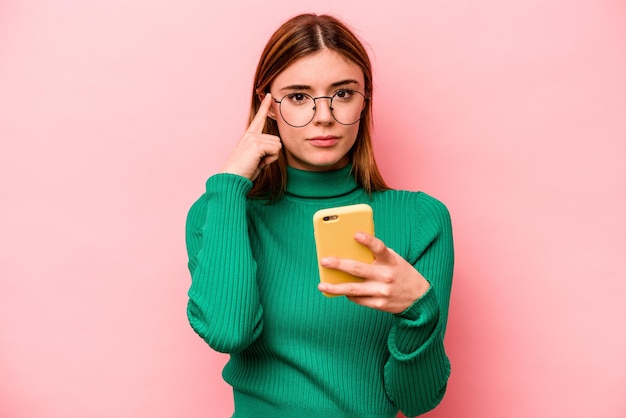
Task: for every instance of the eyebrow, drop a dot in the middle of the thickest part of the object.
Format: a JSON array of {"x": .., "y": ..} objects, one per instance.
[{"x": 305, "y": 87}]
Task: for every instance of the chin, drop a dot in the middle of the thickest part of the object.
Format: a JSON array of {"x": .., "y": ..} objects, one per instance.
[
  {"x": 330, "y": 163},
  {"x": 323, "y": 162}
]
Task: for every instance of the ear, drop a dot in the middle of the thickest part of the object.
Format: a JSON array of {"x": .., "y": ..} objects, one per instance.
[{"x": 270, "y": 112}]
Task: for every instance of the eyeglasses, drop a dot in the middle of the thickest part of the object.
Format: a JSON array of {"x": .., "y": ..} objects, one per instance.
[{"x": 298, "y": 109}]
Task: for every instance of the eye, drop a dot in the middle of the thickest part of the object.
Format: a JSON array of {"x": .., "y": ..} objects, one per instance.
[
  {"x": 298, "y": 98},
  {"x": 344, "y": 94}
]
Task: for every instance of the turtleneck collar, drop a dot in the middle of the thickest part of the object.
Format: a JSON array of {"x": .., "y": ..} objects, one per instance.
[{"x": 320, "y": 184}]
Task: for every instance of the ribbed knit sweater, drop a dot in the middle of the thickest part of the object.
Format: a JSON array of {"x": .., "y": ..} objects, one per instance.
[{"x": 294, "y": 352}]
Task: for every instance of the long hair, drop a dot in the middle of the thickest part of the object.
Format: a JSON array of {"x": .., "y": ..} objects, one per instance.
[{"x": 298, "y": 37}]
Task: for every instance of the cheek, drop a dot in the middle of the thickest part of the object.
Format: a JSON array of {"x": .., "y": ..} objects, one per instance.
[
  {"x": 352, "y": 133},
  {"x": 283, "y": 128}
]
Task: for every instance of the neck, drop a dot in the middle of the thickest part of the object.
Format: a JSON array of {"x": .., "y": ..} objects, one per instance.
[{"x": 320, "y": 184}]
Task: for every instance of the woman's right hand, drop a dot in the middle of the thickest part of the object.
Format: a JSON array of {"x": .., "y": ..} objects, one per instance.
[{"x": 255, "y": 150}]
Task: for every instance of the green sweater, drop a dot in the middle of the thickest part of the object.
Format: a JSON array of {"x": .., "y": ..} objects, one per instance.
[{"x": 294, "y": 352}]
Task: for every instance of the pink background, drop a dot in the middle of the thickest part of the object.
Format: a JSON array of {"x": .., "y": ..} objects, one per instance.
[{"x": 114, "y": 112}]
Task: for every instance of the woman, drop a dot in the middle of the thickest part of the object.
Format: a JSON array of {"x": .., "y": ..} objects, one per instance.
[{"x": 255, "y": 290}]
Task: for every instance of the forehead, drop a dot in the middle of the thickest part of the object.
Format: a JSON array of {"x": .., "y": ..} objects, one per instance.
[{"x": 319, "y": 70}]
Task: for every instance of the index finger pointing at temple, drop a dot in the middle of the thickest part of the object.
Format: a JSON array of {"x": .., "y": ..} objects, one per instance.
[{"x": 257, "y": 124}]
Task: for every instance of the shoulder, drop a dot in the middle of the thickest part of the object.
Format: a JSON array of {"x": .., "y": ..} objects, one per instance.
[
  {"x": 196, "y": 217},
  {"x": 413, "y": 204},
  {"x": 221, "y": 188},
  {"x": 409, "y": 222},
  {"x": 433, "y": 208},
  {"x": 423, "y": 216},
  {"x": 198, "y": 208}
]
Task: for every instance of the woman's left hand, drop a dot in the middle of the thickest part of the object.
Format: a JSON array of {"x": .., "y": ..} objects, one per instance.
[{"x": 391, "y": 284}]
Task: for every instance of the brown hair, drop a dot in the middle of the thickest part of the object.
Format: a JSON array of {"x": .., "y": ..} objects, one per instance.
[{"x": 298, "y": 37}]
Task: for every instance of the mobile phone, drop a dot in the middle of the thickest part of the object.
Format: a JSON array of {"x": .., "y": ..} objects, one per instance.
[{"x": 334, "y": 230}]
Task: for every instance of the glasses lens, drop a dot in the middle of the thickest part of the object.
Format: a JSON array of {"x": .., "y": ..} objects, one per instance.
[
  {"x": 347, "y": 106},
  {"x": 298, "y": 109}
]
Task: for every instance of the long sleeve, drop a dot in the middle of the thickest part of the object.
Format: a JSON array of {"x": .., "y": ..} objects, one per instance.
[
  {"x": 223, "y": 306},
  {"x": 294, "y": 352},
  {"x": 417, "y": 371}
]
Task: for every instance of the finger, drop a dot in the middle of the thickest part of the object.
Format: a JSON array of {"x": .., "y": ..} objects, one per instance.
[
  {"x": 268, "y": 159},
  {"x": 270, "y": 146},
  {"x": 374, "y": 302},
  {"x": 353, "y": 267},
  {"x": 375, "y": 245},
  {"x": 257, "y": 124},
  {"x": 350, "y": 289}
]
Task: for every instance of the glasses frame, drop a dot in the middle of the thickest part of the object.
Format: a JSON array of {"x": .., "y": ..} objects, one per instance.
[{"x": 330, "y": 98}]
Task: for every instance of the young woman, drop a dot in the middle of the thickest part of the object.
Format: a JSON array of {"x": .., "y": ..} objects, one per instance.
[{"x": 255, "y": 290}]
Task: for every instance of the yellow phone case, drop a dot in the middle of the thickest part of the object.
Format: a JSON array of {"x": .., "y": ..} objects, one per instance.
[{"x": 334, "y": 230}]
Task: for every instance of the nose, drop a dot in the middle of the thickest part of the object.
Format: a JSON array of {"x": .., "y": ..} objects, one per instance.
[{"x": 323, "y": 110}]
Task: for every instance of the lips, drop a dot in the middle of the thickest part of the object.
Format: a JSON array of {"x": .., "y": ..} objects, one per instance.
[{"x": 324, "y": 141}]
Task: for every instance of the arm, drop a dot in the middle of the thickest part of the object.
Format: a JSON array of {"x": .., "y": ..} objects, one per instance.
[
  {"x": 417, "y": 371},
  {"x": 223, "y": 305},
  {"x": 417, "y": 292}
]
